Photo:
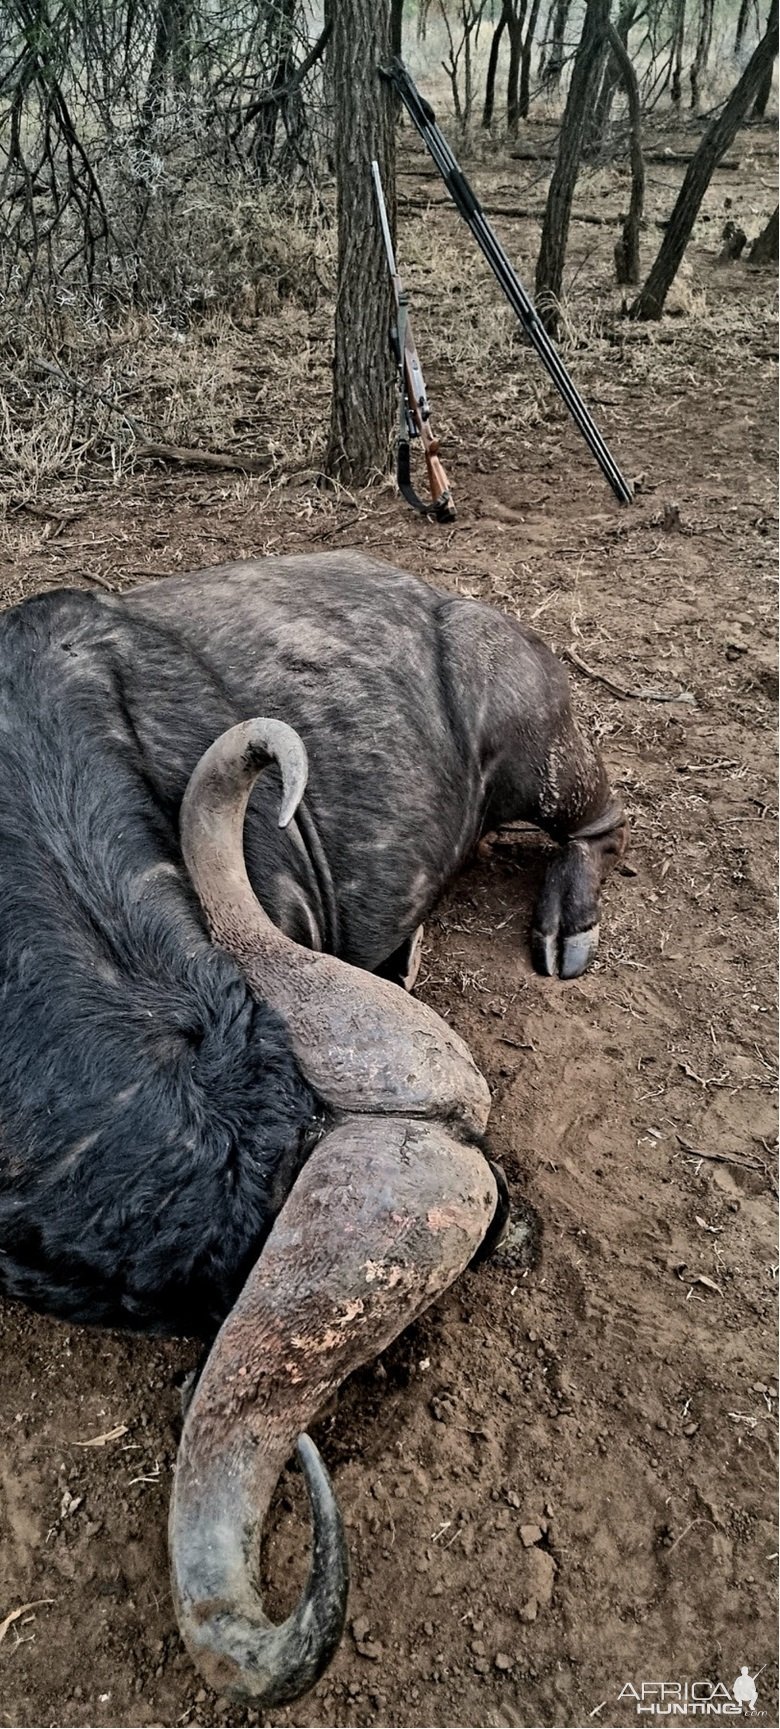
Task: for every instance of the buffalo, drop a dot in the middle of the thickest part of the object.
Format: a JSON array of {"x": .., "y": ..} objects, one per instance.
[{"x": 219, "y": 1114}]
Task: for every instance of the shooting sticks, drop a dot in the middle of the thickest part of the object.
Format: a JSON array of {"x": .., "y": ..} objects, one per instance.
[{"x": 468, "y": 205}]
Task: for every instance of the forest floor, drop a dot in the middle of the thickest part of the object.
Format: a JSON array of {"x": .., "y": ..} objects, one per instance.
[{"x": 561, "y": 1481}]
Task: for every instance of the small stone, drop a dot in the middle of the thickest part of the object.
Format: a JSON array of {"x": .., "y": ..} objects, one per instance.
[
  {"x": 481, "y": 1665},
  {"x": 200, "y": 1696},
  {"x": 428, "y": 1629},
  {"x": 529, "y": 1610},
  {"x": 371, "y": 1649},
  {"x": 502, "y": 1660},
  {"x": 690, "y": 1429},
  {"x": 759, "y": 1387},
  {"x": 360, "y": 1628},
  {"x": 478, "y": 1647},
  {"x": 530, "y": 1534},
  {"x": 513, "y": 1498}
]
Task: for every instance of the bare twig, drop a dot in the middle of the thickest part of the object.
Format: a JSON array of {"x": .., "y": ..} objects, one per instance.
[
  {"x": 149, "y": 448},
  {"x": 624, "y": 691},
  {"x": 16, "y": 1614}
]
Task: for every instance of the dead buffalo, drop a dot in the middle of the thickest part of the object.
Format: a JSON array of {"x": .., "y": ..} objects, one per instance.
[{"x": 207, "y": 1118}]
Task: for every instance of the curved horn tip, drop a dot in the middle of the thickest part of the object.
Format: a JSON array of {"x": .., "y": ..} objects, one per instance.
[
  {"x": 328, "y": 1588},
  {"x": 284, "y": 744},
  {"x": 239, "y": 1652}
]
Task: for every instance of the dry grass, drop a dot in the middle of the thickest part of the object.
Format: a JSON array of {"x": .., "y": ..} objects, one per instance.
[
  {"x": 235, "y": 356},
  {"x": 220, "y": 362}
]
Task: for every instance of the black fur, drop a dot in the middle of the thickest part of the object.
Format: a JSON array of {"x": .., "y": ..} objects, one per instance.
[{"x": 152, "y": 1118}]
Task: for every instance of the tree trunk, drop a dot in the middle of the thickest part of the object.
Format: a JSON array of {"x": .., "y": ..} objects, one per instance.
[
  {"x": 525, "y": 61},
  {"x": 742, "y": 24},
  {"x": 764, "y": 92},
  {"x": 704, "y": 41},
  {"x": 627, "y": 248},
  {"x": 515, "y": 21},
  {"x": 282, "y": 44},
  {"x": 765, "y": 249},
  {"x": 613, "y": 76},
  {"x": 555, "y": 230},
  {"x": 554, "y": 66},
  {"x": 169, "y": 54},
  {"x": 677, "y": 53},
  {"x": 716, "y": 140},
  {"x": 363, "y": 375},
  {"x": 490, "y": 81}
]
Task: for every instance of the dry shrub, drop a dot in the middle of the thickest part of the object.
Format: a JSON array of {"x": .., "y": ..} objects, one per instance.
[{"x": 215, "y": 358}]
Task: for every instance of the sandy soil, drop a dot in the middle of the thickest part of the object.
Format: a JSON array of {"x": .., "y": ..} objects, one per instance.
[{"x": 619, "y": 1394}]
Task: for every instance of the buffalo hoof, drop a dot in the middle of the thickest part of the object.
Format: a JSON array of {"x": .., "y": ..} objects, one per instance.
[
  {"x": 565, "y": 933},
  {"x": 566, "y": 958}
]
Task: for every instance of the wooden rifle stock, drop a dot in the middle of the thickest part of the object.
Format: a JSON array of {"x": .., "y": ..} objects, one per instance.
[
  {"x": 415, "y": 415},
  {"x": 417, "y": 403}
]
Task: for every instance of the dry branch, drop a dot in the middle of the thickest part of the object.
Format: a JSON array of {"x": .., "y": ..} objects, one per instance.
[
  {"x": 623, "y": 691},
  {"x": 147, "y": 448}
]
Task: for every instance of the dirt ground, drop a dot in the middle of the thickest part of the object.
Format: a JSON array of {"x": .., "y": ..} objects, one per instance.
[{"x": 619, "y": 1395}]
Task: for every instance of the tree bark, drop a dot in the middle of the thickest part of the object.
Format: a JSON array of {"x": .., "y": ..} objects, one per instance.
[
  {"x": 515, "y": 23},
  {"x": 554, "y": 65},
  {"x": 555, "y": 230},
  {"x": 677, "y": 53},
  {"x": 525, "y": 60},
  {"x": 765, "y": 249},
  {"x": 703, "y": 43},
  {"x": 490, "y": 81},
  {"x": 764, "y": 92},
  {"x": 627, "y": 248},
  {"x": 742, "y": 24},
  {"x": 169, "y": 54},
  {"x": 613, "y": 76},
  {"x": 363, "y": 374},
  {"x": 716, "y": 140}
]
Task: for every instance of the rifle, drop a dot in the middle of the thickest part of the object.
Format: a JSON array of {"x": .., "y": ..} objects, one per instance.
[
  {"x": 469, "y": 207},
  {"x": 414, "y": 412}
]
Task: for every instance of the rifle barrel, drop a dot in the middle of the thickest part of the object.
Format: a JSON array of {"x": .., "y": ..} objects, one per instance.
[
  {"x": 467, "y": 203},
  {"x": 383, "y": 218}
]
